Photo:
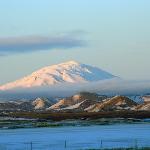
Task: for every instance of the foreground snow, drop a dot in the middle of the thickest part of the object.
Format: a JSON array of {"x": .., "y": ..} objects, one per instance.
[{"x": 90, "y": 137}]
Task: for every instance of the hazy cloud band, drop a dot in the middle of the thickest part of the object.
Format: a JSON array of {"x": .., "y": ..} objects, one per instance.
[{"x": 36, "y": 43}]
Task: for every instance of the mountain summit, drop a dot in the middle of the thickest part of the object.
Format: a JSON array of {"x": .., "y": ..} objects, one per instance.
[{"x": 68, "y": 72}]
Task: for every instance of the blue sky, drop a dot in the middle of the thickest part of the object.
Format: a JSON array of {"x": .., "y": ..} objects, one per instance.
[{"x": 111, "y": 34}]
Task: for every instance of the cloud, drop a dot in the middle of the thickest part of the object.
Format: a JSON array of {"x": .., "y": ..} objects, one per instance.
[
  {"x": 11, "y": 45},
  {"x": 105, "y": 87}
]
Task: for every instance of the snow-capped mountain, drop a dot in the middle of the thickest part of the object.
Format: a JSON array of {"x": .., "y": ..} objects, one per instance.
[{"x": 68, "y": 72}]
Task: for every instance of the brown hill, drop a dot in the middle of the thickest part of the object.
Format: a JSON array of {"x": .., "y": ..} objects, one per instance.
[
  {"x": 113, "y": 104},
  {"x": 144, "y": 107},
  {"x": 77, "y": 99}
]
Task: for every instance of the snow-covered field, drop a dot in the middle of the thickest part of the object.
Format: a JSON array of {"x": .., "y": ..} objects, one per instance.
[{"x": 72, "y": 138}]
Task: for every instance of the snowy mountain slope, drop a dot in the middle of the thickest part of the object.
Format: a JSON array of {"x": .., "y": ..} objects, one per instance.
[{"x": 69, "y": 72}]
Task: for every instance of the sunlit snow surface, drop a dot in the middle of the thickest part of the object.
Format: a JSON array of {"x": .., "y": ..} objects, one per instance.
[
  {"x": 69, "y": 72},
  {"x": 72, "y": 138}
]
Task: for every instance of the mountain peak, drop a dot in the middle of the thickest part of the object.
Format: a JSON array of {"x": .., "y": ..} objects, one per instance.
[
  {"x": 68, "y": 72},
  {"x": 71, "y": 62}
]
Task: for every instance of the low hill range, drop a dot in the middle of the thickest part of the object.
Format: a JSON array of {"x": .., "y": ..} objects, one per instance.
[{"x": 81, "y": 102}]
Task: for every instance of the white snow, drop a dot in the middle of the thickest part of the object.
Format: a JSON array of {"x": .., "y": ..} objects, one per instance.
[
  {"x": 90, "y": 107},
  {"x": 69, "y": 72},
  {"x": 73, "y": 106},
  {"x": 38, "y": 103}
]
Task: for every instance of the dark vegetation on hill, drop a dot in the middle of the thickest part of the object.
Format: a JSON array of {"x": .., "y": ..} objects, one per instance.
[{"x": 56, "y": 116}]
